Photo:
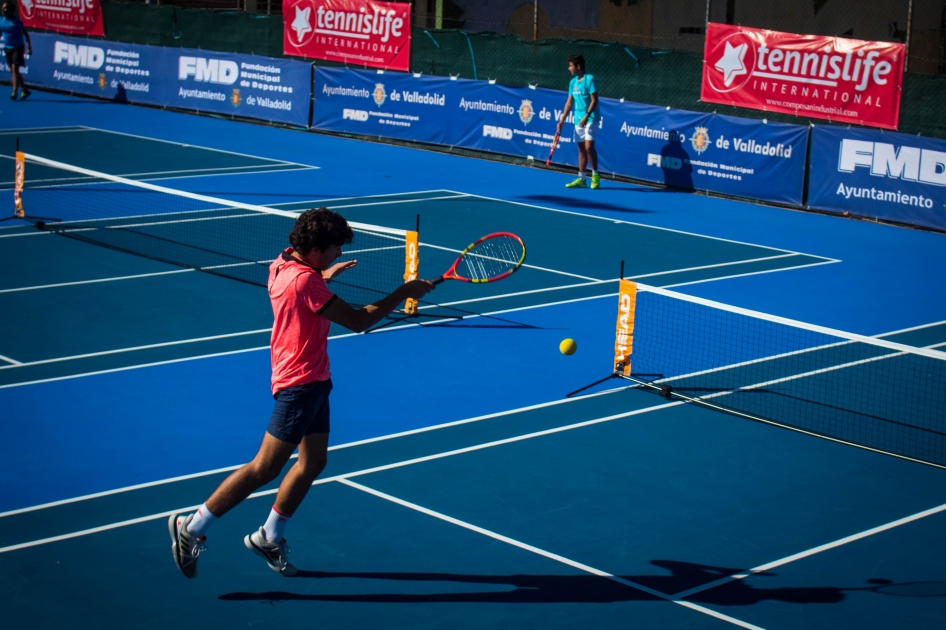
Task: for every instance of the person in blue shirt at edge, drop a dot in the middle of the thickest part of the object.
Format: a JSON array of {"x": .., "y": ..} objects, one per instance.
[
  {"x": 583, "y": 93},
  {"x": 14, "y": 34}
]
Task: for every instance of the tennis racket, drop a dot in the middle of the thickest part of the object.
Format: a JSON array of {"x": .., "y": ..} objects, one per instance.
[
  {"x": 554, "y": 144},
  {"x": 488, "y": 259}
]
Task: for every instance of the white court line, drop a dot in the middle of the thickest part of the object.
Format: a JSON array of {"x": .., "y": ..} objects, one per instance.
[
  {"x": 314, "y": 201},
  {"x": 195, "y": 146},
  {"x": 911, "y": 329},
  {"x": 136, "y": 348},
  {"x": 654, "y": 227},
  {"x": 324, "y": 480},
  {"x": 34, "y": 233},
  {"x": 78, "y": 282},
  {"x": 385, "y": 203},
  {"x": 751, "y": 273},
  {"x": 9, "y": 360},
  {"x": 35, "y": 130},
  {"x": 382, "y": 438},
  {"x": 816, "y": 550},
  {"x": 545, "y": 554}
]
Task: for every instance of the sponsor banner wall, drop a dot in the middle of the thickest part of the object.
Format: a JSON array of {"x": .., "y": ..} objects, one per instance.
[
  {"x": 689, "y": 150},
  {"x": 745, "y": 158},
  {"x": 358, "y": 32},
  {"x": 277, "y": 90},
  {"x": 835, "y": 78},
  {"x": 80, "y": 17},
  {"x": 391, "y": 105},
  {"x": 881, "y": 175}
]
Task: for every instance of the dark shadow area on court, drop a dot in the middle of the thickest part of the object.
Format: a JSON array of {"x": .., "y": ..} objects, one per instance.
[{"x": 590, "y": 589}]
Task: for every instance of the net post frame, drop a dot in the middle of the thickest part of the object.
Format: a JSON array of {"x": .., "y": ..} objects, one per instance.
[{"x": 19, "y": 211}]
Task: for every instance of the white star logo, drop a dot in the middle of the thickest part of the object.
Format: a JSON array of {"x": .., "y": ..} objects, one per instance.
[
  {"x": 730, "y": 64},
  {"x": 302, "y": 25}
]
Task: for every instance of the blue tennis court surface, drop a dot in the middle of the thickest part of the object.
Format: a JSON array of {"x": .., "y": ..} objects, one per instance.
[{"x": 463, "y": 489}]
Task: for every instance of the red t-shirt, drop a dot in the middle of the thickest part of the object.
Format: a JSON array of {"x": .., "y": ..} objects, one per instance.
[{"x": 299, "y": 345}]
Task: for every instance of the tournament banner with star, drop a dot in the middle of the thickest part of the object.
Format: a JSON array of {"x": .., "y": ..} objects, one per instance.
[
  {"x": 357, "y": 32},
  {"x": 77, "y": 17},
  {"x": 746, "y": 158},
  {"x": 276, "y": 90},
  {"x": 839, "y": 79}
]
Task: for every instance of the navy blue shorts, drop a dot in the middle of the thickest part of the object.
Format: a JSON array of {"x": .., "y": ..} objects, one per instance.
[{"x": 300, "y": 411}]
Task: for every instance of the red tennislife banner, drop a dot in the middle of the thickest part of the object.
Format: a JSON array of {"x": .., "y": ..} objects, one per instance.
[
  {"x": 358, "y": 32},
  {"x": 839, "y": 79},
  {"x": 78, "y": 17}
]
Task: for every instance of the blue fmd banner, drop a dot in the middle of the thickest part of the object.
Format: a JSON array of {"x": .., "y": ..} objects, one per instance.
[
  {"x": 878, "y": 174},
  {"x": 514, "y": 121},
  {"x": 277, "y": 90},
  {"x": 470, "y": 114},
  {"x": 693, "y": 151},
  {"x": 388, "y": 104}
]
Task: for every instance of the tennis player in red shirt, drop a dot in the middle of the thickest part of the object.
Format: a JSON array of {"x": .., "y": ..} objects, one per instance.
[{"x": 304, "y": 309}]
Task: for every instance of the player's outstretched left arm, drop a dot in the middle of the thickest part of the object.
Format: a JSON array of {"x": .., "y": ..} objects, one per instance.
[
  {"x": 361, "y": 319},
  {"x": 332, "y": 272}
]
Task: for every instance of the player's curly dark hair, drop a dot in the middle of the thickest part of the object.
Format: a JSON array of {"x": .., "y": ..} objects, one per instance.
[
  {"x": 578, "y": 60},
  {"x": 319, "y": 228}
]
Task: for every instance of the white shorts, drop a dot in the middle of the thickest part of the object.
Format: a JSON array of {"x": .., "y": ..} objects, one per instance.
[{"x": 586, "y": 133}]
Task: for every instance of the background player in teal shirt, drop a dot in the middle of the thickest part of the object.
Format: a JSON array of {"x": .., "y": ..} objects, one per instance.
[
  {"x": 14, "y": 37},
  {"x": 583, "y": 94}
]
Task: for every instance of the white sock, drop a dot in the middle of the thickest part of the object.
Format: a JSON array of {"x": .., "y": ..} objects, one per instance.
[
  {"x": 275, "y": 526},
  {"x": 594, "y": 172},
  {"x": 201, "y": 522},
  {"x": 581, "y": 175}
]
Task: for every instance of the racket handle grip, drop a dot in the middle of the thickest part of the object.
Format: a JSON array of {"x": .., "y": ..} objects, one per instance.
[{"x": 438, "y": 280}]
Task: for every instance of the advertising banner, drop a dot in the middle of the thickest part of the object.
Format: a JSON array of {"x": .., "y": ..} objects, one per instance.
[
  {"x": 880, "y": 175},
  {"x": 389, "y": 104},
  {"x": 514, "y": 121},
  {"x": 839, "y": 79},
  {"x": 358, "y": 32},
  {"x": 277, "y": 90},
  {"x": 78, "y": 17},
  {"x": 693, "y": 151}
]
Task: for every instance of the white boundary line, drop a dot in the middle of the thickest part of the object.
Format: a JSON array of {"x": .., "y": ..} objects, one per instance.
[
  {"x": 9, "y": 360},
  {"x": 653, "y": 227},
  {"x": 815, "y": 550},
  {"x": 35, "y": 130},
  {"x": 382, "y": 438},
  {"x": 546, "y": 554},
  {"x": 136, "y": 348},
  {"x": 385, "y": 203},
  {"x": 752, "y": 273},
  {"x": 195, "y": 146},
  {"x": 911, "y": 329},
  {"x": 96, "y": 281}
]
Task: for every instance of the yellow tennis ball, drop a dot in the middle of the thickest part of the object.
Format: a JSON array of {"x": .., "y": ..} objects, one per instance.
[{"x": 568, "y": 346}]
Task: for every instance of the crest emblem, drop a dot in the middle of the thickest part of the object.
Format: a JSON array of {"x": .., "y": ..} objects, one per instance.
[
  {"x": 526, "y": 111},
  {"x": 700, "y": 141},
  {"x": 102, "y": 81},
  {"x": 379, "y": 94},
  {"x": 235, "y": 99}
]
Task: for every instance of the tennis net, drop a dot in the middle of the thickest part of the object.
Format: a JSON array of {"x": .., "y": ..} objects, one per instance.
[
  {"x": 864, "y": 391},
  {"x": 218, "y": 236}
]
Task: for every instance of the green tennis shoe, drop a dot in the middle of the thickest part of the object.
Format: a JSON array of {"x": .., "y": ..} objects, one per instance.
[
  {"x": 578, "y": 183},
  {"x": 595, "y": 180}
]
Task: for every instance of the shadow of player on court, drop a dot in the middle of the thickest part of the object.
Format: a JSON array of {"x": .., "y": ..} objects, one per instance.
[
  {"x": 548, "y": 589},
  {"x": 675, "y": 162}
]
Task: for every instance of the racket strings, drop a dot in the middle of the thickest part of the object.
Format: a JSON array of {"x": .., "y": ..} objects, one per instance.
[{"x": 491, "y": 258}]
